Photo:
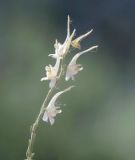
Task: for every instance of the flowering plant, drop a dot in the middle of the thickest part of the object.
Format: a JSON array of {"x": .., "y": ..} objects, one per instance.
[{"x": 54, "y": 74}]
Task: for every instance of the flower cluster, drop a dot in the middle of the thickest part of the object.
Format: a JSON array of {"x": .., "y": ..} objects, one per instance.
[{"x": 53, "y": 73}]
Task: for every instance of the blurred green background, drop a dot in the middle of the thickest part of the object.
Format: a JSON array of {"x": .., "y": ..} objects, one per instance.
[{"x": 98, "y": 121}]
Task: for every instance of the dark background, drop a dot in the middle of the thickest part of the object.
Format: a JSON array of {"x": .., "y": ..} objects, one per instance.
[{"x": 98, "y": 121}]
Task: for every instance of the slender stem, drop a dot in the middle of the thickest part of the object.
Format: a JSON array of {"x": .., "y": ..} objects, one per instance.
[{"x": 34, "y": 127}]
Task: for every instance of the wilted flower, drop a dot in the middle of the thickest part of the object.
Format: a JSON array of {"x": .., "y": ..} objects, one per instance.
[
  {"x": 51, "y": 110},
  {"x": 76, "y": 42},
  {"x": 62, "y": 49},
  {"x": 73, "y": 68},
  {"x": 51, "y": 73}
]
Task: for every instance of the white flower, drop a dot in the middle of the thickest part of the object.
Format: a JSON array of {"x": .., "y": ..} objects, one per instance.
[
  {"x": 51, "y": 73},
  {"x": 50, "y": 114},
  {"x": 73, "y": 68},
  {"x": 62, "y": 49},
  {"x": 51, "y": 110}
]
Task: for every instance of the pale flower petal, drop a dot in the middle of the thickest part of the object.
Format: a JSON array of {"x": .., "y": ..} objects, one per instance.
[
  {"x": 52, "y": 120},
  {"x": 73, "y": 68},
  {"x": 51, "y": 110},
  {"x": 52, "y": 83},
  {"x": 44, "y": 79},
  {"x": 51, "y": 73},
  {"x": 62, "y": 49},
  {"x": 45, "y": 117}
]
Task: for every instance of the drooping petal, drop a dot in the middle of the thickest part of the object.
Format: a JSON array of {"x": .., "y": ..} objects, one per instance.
[
  {"x": 45, "y": 117},
  {"x": 52, "y": 120},
  {"x": 52, "y": 83},
  {"x": 72, "y": 70}
]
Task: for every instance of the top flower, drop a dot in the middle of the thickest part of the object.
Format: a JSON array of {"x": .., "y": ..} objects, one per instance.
[{"x": 62, "y": 49}]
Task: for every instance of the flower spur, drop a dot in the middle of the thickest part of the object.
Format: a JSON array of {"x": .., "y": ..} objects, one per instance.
[
  {"x": 73, "y": 68},
  {"x": 51, "y": 110}
]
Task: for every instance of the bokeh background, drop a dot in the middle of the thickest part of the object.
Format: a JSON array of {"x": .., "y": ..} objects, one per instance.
[{"x": 98, "y": 121}]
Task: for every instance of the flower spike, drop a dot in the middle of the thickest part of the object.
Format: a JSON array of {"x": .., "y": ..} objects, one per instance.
[{"x": 54, "y": 73}]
